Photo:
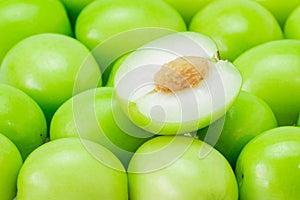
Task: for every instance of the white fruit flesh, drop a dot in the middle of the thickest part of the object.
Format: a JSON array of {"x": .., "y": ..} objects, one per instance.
[{"x": 183, "y": 110}]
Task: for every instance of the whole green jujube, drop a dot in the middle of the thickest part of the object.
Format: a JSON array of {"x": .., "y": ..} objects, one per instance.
[
  {"x": 23, "y": 18},
  {"x": 236, "y": 26},
  {"x": 21, "y": 120},
  {"x": 271, "y": 71}
]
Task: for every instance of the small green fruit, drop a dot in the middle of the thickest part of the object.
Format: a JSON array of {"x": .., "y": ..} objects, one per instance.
[
  {"x": 268, "y": 167},
  {"x": 101, "y": 20},
  {"x": 180, "y": 168},
  {"x": 248, "y": 117},
  {"x": 236, "y": 26},
  {"x": 96, "y": 116},
  {"x": 50, "y": 68},
  {"x": 21, "y": 120},
  {"x": 23, "y": 18},
  {"x": 72, "y": 168},
  {"x": 271, "y": 71}
]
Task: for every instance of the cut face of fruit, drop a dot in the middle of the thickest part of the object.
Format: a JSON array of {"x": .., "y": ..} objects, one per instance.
[{"x": 176, "y": 84}]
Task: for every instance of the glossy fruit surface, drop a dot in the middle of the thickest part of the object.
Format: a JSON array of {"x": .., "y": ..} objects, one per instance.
[
  {"x": 23, "y": 18},
  {"x": 10, "y": 164},
  {"x": 271, "y": 71},
  {"x": 71, "y": 168},
  {"x": 187, "y": 168},
  {"x": 21, "y": 120},
  {"x": 96, "y": 116},
  {"x": 236, "y": 26},
  {"x": 291, "y": 26},
  {"x": 92, "y": 26},
  {"x": 114, "y": 69},
  {"x": 153, "y": 93},
  {"x": 50, "y": 68},
  {"x": 268, "y": 166},
  {"x": 248, "y": 117}
]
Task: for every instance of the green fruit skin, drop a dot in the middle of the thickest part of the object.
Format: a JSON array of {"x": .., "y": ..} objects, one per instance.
[
  {"x": 188, "y": 176},
  {"x": 10, "y": 164},
  {"x": 50, "y": 68},
  {"x": 236, "y": 26},
  {"x": 94, "y": 115},
  {"x": 248, "y": 117},
  {"x": 23, "y": 18},
  {"x": 268, "y": 166},
  {"x": 114, "y": 69},
  {"x": 188, "y": 8},
  {"x": 71, "y": 168},
  {"x": 291, "y": 27},
  {"x": 92, "y": 27},
  {"x": 74, "y": 7},
  {"x": 21, "y": 120},
  {"x": 280, "y": 9},
  {"x": 271, "y": 71}
]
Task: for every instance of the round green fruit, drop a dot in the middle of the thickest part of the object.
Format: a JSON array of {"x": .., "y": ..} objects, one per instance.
[
  {"x": 23, "y": 18},
  {"x": 236, "y": 26},
  {"x": 50, "y": 68},
  {"x": 177, "y": 168},
  {"x": 101, "y": 20},
  {"x": 280, "y": 9},
  {"x": 248, "y": 117},
  {"x": 10, "y": 164},
  {"x": 71, "y": 168},
  {"x": 95, "y": 115},
  {"x": 21, "y": 120},
  {"x": 271, "y": 71},
  {"x": 176, "y": 84},
  {"x": 291, "y": 27},
  {"x": 268, "y": 167}
]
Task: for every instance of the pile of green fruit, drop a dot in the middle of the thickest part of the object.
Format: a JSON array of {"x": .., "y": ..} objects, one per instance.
[{"x": 143, "y": 100}]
